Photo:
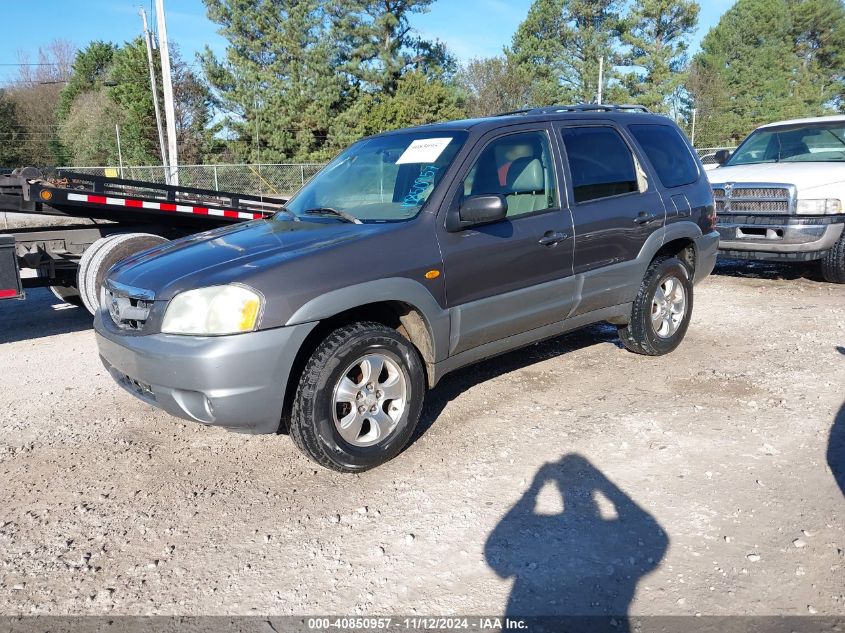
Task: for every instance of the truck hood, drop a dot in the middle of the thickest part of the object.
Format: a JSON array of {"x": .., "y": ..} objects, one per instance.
[
  {"x": 805, "y": 176},
  {"x": 231, "y": 254}
]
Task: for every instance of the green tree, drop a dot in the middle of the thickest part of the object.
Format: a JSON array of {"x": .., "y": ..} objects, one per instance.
[
  {"x": 562, "y": 41},
  {"x": 111, "y": 86},
  {"x": 277, "y": 83},
  {"x": 11, "y": 136},
  {"x": 418, "y": 100},
  {"x": 657, "y": 34},
  {"x": 377, "y": 45},
  {"x": 90, "y": 68},
  {"x": 767, "y": 60}
]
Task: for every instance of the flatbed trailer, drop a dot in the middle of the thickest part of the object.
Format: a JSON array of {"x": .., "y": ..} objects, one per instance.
[{"x": 111, "y": 219}]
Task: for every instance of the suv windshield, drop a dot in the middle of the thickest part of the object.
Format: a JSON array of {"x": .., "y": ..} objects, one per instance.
[
  {"x": 808, "y": 143},
  {"x": 380, "y": 179}
]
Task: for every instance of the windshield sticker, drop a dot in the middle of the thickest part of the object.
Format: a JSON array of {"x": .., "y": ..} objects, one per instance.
[
  {"x": 421, "y": 188},
  {"x": 424, "y": 151}
]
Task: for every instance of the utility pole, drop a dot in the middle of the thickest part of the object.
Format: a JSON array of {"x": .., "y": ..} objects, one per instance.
[
  {"x": 154, "y": 84},
  {"x": 693, "y": 126},
  {"x": 167, "y": 80},
  {"x": 601, "y": 78},
  {"x": 119, "y": 152}
]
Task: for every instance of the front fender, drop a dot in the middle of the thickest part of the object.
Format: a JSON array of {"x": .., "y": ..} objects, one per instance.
[{"x": 401, "y": 289}]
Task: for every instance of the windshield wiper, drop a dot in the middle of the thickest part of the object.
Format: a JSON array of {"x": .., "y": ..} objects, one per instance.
[{"x": 333, "y": 212}]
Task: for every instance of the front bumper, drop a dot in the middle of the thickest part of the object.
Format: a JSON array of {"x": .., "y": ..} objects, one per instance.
[
  {"x": 706, "y": 250},
  {"x": 769, "y": 237},
  {"x": 237, "y": 382}
]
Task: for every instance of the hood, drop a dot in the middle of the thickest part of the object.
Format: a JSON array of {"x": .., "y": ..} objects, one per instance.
[
  {"x": 231, "y": 254},
  {"x": 805, "y": 176}
]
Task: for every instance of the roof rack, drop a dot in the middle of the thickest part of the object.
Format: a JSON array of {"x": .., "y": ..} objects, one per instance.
[
  {"x": 591, "y": 107},
  {"x": 580, "y": 107},
  {"x": 512, "y": 112}
]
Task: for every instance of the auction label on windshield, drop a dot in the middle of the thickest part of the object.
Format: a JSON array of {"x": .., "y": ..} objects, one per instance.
[{"x": 425, "y": 150}]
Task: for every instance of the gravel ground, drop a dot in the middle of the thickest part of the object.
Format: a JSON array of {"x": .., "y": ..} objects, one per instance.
[{"x": 571, "y": 477}]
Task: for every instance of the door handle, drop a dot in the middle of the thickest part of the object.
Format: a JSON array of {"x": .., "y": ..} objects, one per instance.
[
  {"x": 550, "y": 238},
  {"x": 645, "y": 218}
]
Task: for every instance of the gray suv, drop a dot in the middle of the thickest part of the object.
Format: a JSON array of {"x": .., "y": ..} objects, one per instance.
[{"x": 411, "y": 254}]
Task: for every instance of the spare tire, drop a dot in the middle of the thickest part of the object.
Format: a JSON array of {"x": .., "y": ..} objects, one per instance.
[{"x": 105, "y": 253}]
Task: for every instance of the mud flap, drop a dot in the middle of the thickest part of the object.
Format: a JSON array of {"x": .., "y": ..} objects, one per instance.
[{"x": 10, "y": 280}]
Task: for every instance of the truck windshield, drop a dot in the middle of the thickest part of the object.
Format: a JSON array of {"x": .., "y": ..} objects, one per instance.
[
  {"x": 380, "y": 179},
  {"x": 809, "y": 143}
]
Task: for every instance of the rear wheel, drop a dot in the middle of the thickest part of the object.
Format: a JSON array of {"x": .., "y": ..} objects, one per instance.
[
  {"x": 359, "y": 398},
  {"x": 67, "y": 294},
  {"x": 833, "y": 263},
  {"x": 662, "y": 310},
  {"x": 102, "y": 255}
]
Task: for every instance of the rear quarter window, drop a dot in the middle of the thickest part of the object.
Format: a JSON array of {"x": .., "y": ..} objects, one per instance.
[{"x": 668, "y": 154}]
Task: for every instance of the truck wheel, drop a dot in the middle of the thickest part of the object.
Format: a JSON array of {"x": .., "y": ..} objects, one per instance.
[
  {"x": 833, "y": 263},
  {"x": 102, "y": 255},
  {"x": 67, "y": 294},
  {"x": 662, "y": 310},
  {"x": 359, "y": 398}
]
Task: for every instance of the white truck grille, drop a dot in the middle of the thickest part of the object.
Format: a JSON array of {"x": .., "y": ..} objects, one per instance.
[{"x": 754, "y": 198}]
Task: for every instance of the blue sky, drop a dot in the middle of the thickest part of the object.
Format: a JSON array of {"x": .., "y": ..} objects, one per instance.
[{"x": 471, "y": 28}]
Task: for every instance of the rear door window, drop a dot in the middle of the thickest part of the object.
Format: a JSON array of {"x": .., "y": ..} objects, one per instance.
[
  {"x": 600, "y": 163},
  {"x": 668, "y": 154}
]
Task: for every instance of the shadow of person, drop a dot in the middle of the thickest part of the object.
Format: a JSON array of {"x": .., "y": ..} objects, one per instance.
[
  {"x": 584, "y": 559},
  {"x": 836, "y": 449}
]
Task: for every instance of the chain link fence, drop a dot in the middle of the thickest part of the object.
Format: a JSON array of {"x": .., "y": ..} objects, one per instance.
[
  {"x": 259, "y": 179},
  {"x": 265, "y": 179}
]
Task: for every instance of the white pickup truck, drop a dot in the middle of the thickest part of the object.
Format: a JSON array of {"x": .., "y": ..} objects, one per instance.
[{"x": 781, "y": 194}]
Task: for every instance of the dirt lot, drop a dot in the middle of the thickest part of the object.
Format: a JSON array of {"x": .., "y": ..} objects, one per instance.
[{"x": 571, "y": 477}]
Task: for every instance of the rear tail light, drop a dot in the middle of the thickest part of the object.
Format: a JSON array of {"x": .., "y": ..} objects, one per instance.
[
  {"x": 8, "y": 293},
  {"x": 711, "y": 218}
]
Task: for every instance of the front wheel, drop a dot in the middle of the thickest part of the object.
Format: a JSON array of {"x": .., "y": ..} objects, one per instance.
[
  {"x": 662, "y": 310},
  {"x": 359, "y": 398},
  {"x": 833, "y": 263}
]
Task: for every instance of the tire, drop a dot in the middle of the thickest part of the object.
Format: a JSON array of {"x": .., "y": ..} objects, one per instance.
[
  {"x": 68, "y": 294},
  {"x": 102, "y": 255},
  {"x": 656, "y": 327},
  {"x": 833, "y": 263},
  {"x": 65, "y": 294},
  {"x": 84, "y": 264},
  {"x": 319, "y": 407}
]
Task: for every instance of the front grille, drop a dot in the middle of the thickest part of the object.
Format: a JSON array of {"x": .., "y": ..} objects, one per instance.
[
  {"x": 763, "y": 199},
  {"x": 129, "y": 308}
]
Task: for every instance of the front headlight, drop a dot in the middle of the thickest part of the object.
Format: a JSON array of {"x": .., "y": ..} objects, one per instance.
[
  {"x": 213, "y": 310},
  {"x": 829, "y": 206}
]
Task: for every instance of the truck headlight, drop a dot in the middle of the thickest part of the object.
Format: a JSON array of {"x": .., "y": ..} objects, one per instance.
[
  {"x": 829, "y": 206},
  {"x": 213, "y": 310}
]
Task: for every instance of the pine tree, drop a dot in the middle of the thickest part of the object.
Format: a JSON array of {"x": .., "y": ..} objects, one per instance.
[
  {"x": 656, "y": 32},
  {"x": 377, "y": 45},
  {"x": 562, "y": 42},
  {"x": 277, "y": 81},
  {"x": 768, "y": 60}
]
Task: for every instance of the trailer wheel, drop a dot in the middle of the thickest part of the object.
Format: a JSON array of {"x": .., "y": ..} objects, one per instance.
[
  {"x": 102, "y": 255},
  {"x": 65, "y": 294},
  {"x": 68, "y": 294}
]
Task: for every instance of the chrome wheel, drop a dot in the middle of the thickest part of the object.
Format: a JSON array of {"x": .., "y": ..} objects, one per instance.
[
  {"x": 369, "y": 400},
  {"x": 668, "y": 307}
]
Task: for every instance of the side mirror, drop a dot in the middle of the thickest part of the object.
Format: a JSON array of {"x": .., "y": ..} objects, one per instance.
[
  {"x": 478, "y": 210},
  {"x": 722, "y": 156}
]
